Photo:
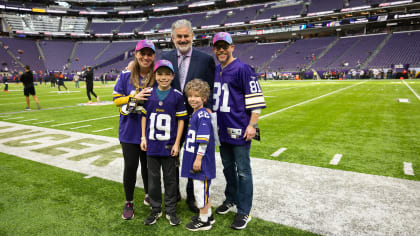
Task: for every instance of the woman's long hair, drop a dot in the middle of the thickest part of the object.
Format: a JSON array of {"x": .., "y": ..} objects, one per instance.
[{"x": 149, "y": 79}]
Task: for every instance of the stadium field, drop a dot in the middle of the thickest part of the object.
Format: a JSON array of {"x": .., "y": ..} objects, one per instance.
[{"x": 357, "y": 126}]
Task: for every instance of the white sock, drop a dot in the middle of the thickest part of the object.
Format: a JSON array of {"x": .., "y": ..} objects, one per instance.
[
  {"x": 209, "y": 212},
  {"x": 204, "y": 218}
]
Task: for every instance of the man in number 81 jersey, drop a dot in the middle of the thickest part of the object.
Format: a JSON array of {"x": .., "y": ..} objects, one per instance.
[{"x": 237, "y": 101}]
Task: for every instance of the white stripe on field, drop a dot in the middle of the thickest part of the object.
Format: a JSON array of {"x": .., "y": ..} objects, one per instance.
[
  {"x": 278, "y": 152},
  {"x": 310, "y": 100},
  {"x": 27, "y": 120},
  {"x": 88, "y": 176},
  {"x": 415, "y": 94},
  {"x": 408, "y": 168},
  {"x": 99, "y": 130},
  {"x": 81, "y": 121},
  {"x": 81, "y": 127},
  {"x": 336, "y": 159},
  {"x": 42, "y": 122},
  {"x": 14, "y": 118}
]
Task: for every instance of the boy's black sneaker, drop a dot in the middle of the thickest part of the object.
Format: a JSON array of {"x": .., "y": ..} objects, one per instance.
[
  {"x": 198, "y": 225},
  {"x": 173, "y": 219},
  {"x": 210, "y": 219},
  {"x": 241, "y": 221},
  {"x": 224, "y": 208},
  {"x": 128, "y": 211},
  {"x": 152, "y": 218}
]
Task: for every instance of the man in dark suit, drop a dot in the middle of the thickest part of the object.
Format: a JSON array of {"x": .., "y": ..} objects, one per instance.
[{"x": 189, "y": 64}]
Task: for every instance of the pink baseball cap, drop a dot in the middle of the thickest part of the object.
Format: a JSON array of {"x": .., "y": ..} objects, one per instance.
[
  {"x": 224, "y": 36},
  {"x": 145, "y": 43},
  {"x": 164, "y": 63}
]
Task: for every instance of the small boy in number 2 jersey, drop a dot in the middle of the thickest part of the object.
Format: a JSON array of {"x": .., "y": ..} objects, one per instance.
[{"x": 199, "y": 156}]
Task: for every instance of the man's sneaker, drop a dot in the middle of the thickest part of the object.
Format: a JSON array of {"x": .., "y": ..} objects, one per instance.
[
  {"x": 224, "y": 208},
  {"x": 197, "y": 225},
  {"x": 128, "y": 211},
  {"x": 211, "y": 218},
  {"x": 240, "y": 221},
  {"x": 27, "y": 108},
  {"x": 146, "y": 201},
  {"x": 152, "y": 218},
  {"x": 173, "y": 219}
]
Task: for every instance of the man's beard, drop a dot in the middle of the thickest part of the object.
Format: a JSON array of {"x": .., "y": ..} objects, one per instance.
[{"x": 184, "y": 48}]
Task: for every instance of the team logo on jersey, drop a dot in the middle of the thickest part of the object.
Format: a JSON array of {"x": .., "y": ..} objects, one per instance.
[{"x": 160, "y": 103}]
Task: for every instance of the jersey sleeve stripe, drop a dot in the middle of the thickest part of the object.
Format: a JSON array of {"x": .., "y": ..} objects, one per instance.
[
  {"x": 203, "y": 136},
  {"x": 202, "y": 139},
  {"x": 253, "y": 95},
  {"x": 259, "y": 105},
  {"x": 250, "y": 101},
  {"x": 180, "y": 114}
]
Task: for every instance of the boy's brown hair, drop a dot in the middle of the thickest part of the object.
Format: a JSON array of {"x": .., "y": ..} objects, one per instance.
[{"x": 200, "y": 86}]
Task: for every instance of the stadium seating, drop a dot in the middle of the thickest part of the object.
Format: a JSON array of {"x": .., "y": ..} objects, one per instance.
[
  {"x": 104, "y": 27},
  {"x": 85, "y": 53},
  {"x": 57, "y": 53},
  {"x": 359, "y": 51},
  {"x": 325, "y": 5},
  {"x": 299, "y": 54},
  {"x": 273, "y": 10},
  {"x": 115, "y": 49},
  {"x": 402, "y": 48},
  {"x": 26, "y": 51}
]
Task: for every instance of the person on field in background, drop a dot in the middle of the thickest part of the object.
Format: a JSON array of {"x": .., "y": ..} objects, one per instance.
[{"x": 27, "y": 79}]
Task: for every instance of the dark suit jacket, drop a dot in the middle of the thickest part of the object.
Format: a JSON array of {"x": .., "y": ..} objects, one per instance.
[{"x": 202, "y": 66}]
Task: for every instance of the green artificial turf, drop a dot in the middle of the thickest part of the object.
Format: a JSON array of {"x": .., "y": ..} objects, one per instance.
[{"x": 38, "y": 199}]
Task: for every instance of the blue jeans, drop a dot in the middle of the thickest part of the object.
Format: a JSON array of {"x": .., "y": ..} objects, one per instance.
[{"x": 238, "y": 174}]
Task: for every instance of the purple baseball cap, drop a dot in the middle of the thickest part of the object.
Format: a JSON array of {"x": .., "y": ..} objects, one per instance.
[
  {"x": 222, "y": 36},
  {"x": 145, "y": 44},
  {"x": 162, "y": 63}
]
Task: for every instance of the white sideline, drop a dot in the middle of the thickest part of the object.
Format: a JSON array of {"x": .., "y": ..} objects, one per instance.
[
  {"x": 99, "y": 130},
  {"x": 27, "y": 120},
  {"x": 412, "y": 90},
  {"x": 310, "y": 100},
  {"x": 81, "y": 121},
  {"x": 42, "y": 122},
  {"x": 83, "y": 126},
  {"x": 278, "y": 152},
  {"x": 336, "y": 159},
  {"x": 408, "y": 168}
]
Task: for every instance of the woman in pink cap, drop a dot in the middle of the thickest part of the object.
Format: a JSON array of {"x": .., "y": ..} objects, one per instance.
[{"x": 130, "y": 91}]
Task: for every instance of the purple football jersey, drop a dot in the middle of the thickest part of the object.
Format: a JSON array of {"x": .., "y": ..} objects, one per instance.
[
  {"x": 236, "y": 93},
  {"x": 162, "y": 121},
  {"x": 200, "y": 130},
  {"x": 129, "y": 130}
]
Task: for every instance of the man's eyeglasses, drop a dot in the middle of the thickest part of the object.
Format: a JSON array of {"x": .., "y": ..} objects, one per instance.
[{"x": 221, "y": 46}]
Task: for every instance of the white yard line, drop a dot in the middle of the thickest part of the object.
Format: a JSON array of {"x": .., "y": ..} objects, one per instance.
[
  {"x": 81, "y": 127},
  {"x": 408, "y": 168},
  {"x": 81, "y": 121},
  {"x": 27, "y": 120},
  {"x": 336, "y": 159},
  {"x": 99, "y": 130},
  {"x": 278, "y": 152},
  {"x": 14, "y": 118},
  {"x": 412, "y": 90},
  {"x": 310, "y": 100},
  {"x": 42, "y": 122}
]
